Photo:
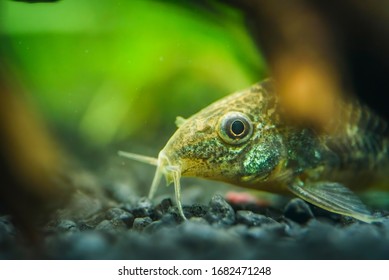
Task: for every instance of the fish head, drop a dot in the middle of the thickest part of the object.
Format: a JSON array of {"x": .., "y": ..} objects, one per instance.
[{"x": 234, "y": 140}]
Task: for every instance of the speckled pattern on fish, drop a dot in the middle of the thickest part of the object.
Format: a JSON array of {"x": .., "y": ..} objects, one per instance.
[{"x": 246, "y": 139}]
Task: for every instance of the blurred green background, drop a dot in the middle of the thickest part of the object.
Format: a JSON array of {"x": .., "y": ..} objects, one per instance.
[
  {"x": 115, "y": 74},
  {"x": 109, "y": 75}
]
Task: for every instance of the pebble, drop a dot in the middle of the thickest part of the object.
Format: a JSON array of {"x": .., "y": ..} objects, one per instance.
[
  {"x": 118, "y": 214},
  {"x": 163, "y": 207},
  {"x": 67, "y": 226},
  {"x": 195, "y": 210},
  {"x": 112, "y": 226},
  {"x": 220, "y": 212},
  {"x": 141, "y": 223},
  {"x": 167, "y": 221},
  {"x": 213, "y": 231},
  {"x": 298, "y": 210},
  {"x": 143, "y": 208},
  {"x": 252, "y": 219}
]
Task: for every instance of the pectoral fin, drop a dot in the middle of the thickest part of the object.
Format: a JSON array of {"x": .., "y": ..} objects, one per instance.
[{"x": 333, "y": 197}]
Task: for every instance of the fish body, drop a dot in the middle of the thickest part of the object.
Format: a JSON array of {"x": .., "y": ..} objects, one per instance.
[{"x": 246, "y": 139}]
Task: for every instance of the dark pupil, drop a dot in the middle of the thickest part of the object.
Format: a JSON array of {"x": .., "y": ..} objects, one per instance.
[{"x": 237, "y": 127}]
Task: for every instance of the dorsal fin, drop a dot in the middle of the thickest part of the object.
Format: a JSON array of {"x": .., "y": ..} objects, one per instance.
[{"x": 180, "y": 121}]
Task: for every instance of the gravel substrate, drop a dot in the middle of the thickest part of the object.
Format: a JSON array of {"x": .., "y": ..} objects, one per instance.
[{"x": 219, "y": 230}]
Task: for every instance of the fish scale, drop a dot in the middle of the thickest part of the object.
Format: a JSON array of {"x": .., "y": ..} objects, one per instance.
[
  {"x": 247, "y": 140},
  {"x": 363, "y": 141}
]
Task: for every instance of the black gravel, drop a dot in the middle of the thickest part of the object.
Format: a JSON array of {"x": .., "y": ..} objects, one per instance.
[
  {"x": 219, "y": 230},
  {"x": 298, "y": 210}
]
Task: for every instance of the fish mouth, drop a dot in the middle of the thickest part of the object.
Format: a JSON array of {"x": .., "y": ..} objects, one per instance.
[{"x": 172, "y": 173}]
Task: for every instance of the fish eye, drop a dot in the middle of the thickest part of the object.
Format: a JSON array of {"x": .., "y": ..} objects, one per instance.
[{"x": 235, "y": 128}]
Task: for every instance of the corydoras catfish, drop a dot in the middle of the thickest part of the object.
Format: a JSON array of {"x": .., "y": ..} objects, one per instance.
[{"x": 246, "y": 140}]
